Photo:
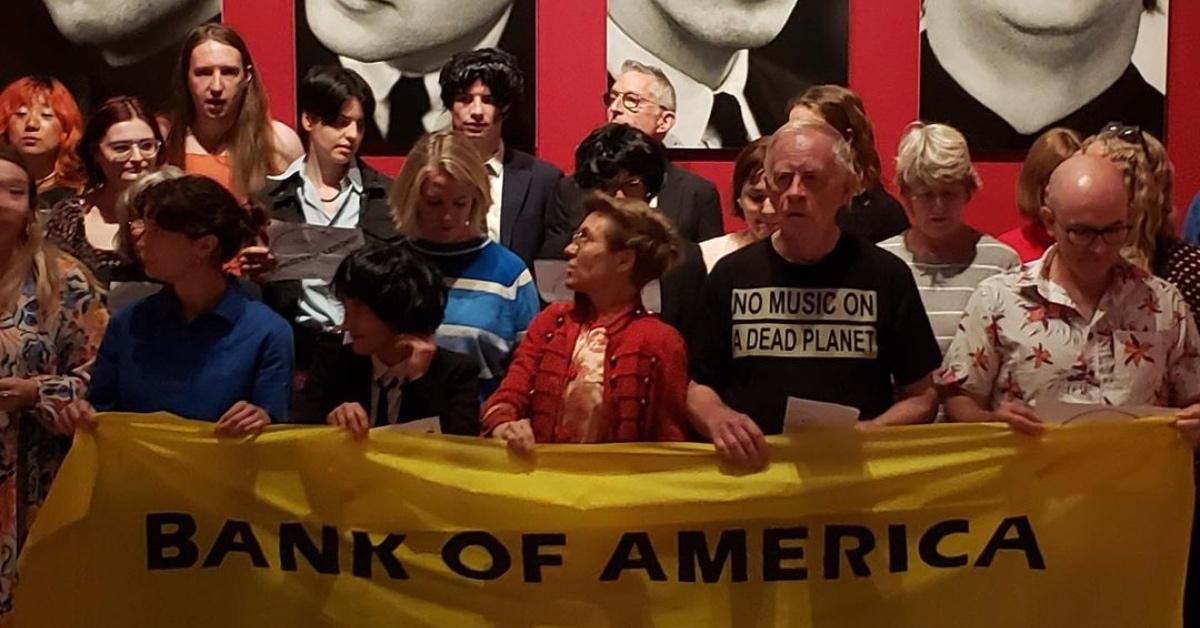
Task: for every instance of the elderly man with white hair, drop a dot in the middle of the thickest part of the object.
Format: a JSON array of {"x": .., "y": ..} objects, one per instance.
[{"x": 810, "y": 312}]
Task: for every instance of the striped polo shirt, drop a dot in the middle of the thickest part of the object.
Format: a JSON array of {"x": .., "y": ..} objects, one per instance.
[{"x": 945, "y": 288}]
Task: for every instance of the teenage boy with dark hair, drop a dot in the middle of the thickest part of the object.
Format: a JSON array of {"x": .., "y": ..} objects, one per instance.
[
  {"x": 328, "y": 187},
  {"x": 392, "y": 371},
  {"x": 480, "y": 88}
]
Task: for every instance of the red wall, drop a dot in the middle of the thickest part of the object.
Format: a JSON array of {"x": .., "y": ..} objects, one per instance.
[{"x": 883, "y": 70}]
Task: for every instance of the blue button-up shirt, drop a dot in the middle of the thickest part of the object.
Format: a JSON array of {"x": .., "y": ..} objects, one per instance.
[{"x": 152, "y": 359}]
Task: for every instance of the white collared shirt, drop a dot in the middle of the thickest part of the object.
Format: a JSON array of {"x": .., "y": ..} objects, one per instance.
[
  {"x": 381, "y": 76},
  {"x": 495, "y": 168},
  {"x": 693, "y": 100}
]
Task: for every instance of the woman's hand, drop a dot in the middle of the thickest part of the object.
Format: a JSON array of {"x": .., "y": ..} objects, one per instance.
[
  {"x": 17, "y": 393},
  {"x": 352, "y": 417},
  {"x": 79, "y": 414},
  {"x": 243, "y": 418},
  {"x": 256, "y": 261},
  {"x": 518, "y": 435}
]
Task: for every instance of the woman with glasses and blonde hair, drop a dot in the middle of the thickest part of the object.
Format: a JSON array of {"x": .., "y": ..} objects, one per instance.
[
  {"x": 440, "y": 201},
  {"x": 120, "y": 144},
  {"x": 39, "y": 118},
  {"x": 947, "y": 257},
  {"x": 1150, "y": 176},
  {"x": 51, "y": 322}
]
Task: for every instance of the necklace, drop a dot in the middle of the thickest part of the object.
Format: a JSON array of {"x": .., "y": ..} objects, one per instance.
[
  {"x": 331, "y": 198},
  {"x": 45, "y": 179}
]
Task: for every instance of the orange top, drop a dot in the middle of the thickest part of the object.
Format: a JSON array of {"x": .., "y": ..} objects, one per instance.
[{"x": 215, "y": 167}]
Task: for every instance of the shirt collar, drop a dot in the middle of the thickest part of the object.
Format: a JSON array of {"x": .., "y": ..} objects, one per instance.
[
  {"x": 296, "y": 168},
  {"x": 693, "y": 100},
  {"x": 381, "y": 76},
  {"x": 384, "y": 374},
  {"x": 1035, "y": 277},
  {"x": 229, "y": 307},
  {"x": 495, "y": 165}
]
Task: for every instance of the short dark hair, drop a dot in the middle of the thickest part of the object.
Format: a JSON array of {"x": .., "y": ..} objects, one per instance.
[
  {"x": 197, "y": 206},
  {"x": 326, "y": 88},
  {"x": 114, "y": 110},
  {"x": 615, "y": 147},
  {"x": 402, "y": 287},
  {"x": 748, "y": 169},
  {"x": 495, "y": 68}
]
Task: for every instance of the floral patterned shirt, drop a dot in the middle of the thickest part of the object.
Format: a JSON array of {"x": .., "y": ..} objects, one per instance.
[{"x": 1022, "y": 337}]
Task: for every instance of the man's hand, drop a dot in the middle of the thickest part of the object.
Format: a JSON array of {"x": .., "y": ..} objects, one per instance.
[
  {"x": 243, "y": 418},
  {"x": 518, "y": 435},
  {"x": 79, "y": 414},
  {"x": 1187, "y": 421},
  {"x": 1020, "y": 417},
  {"x": 352, "y": 417},
  {"x": 739, "y": 440},
  {"x": 17, "y": 393}
]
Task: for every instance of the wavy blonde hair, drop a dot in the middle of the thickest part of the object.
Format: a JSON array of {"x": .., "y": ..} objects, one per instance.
[
  {"x": 934, "y": 153},
  {"x": 450, "y": 152},
  {"x": 1150, "y": 180}
]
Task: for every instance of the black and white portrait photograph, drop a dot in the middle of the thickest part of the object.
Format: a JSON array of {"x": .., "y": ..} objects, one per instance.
[
  {"x": 1004, "y": 71},
  {"x": 399, "y": 48},
  {"x": 733, "y": 64},
  {"x": 102, "y": 48}
]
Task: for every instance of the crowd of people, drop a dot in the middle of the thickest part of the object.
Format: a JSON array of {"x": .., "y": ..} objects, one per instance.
[{"x": 834, "y": 291}]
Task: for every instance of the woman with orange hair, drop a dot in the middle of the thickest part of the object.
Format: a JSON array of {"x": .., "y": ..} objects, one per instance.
[{"x": 39, "y": 117}]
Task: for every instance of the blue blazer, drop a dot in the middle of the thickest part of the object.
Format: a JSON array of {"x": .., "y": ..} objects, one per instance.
[{"x": 529, "y": 184}]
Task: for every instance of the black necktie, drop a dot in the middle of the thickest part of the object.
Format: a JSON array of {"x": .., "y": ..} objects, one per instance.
[
  {"x": 382, "y": 412},
  {"x": 726, "y": 120},
  {"x": 408, "y": 101}
]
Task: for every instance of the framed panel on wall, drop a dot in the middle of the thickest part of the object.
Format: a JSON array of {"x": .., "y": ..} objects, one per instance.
[
  {"x": 399, "y": 47},
  {"x": 103, "y": 48},
  {"x": 734, "y": 64},
  {"x": 1005, "y": 71}
]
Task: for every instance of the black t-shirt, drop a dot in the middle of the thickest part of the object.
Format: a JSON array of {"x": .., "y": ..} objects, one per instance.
[{"x": 841, "y": 330}]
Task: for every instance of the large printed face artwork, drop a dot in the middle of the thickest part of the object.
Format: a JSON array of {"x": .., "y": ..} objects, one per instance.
[
  {"x": 105, "y": 22},
  {"x": 733, "y": 24},
  {"x": 380, "y": 30}
]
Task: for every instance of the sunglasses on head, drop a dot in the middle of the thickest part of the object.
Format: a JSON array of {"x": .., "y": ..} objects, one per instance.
[{"x": 1130, "y": 133}]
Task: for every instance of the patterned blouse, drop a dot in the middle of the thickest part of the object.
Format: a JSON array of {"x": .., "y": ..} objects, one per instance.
[
  {"x": 1179, "y": 263},
  {"x": 58, "y": 354},
  {"x": 1022, "y": 337},
  {"x": 65, "y": 229}
]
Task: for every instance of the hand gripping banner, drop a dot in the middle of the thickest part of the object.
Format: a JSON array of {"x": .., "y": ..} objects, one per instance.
[{"x": 154, "y": 521}]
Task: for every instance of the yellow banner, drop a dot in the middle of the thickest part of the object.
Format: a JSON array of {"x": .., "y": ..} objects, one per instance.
[{"x": 153, "y": 521}]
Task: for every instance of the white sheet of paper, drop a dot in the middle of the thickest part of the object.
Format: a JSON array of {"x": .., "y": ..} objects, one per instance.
[
  {"x": 1053, "y": 411},
  {"x": 806, "y": 414},
  {"x": 552, "y": 285},
  {"x": 428, "y": 425},
  {"x": 122, "y": 294},
  {"x": 304, "y": 251}
]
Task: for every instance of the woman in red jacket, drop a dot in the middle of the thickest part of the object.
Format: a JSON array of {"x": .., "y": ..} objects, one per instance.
[{"x": 601, "y": 369}]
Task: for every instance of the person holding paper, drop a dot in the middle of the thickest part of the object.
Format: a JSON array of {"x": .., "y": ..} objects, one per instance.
[
  {"x": 51, "y": 321},
  {"x": 393, "y": 371},
  {"x": 327, "y": 187},
  {"x": 1080, "y": 324},
  {"x": 811, "y": 312},
  {"x": 600, "y": 369},
  {"x": 201, "y": 348},
  {"x": 440, "y": 201},
  {"x": 947, "y": 257}
]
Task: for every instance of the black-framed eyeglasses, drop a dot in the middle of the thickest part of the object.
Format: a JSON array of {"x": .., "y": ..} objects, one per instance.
[
  {"x": 1112, "y": 235},
  {"x": 629, "y": 100},
  {"x": 1132, "y": 134}
]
